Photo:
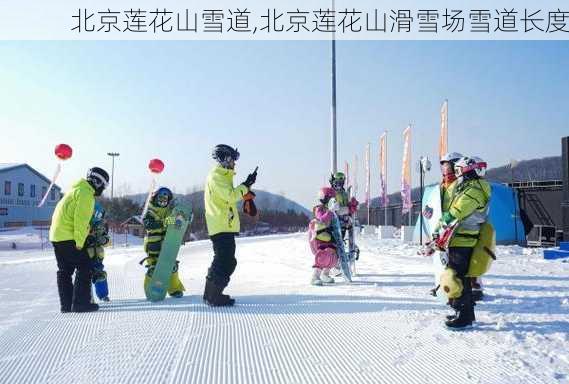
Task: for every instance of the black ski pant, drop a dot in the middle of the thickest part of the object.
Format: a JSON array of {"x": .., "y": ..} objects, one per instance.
[
  {"x": 224, "y": 261},
  {"x": 71, "y": 260},
  {"x": 459, "y": 260}
]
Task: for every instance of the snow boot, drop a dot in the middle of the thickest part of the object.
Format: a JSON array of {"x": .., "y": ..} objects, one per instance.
[
  {"x": 453, "y": 316},
  {"x": 477, "y": 295},
  {"x": 464, "y": 319},
  {"x": 315, "y": 280},
  {"x": 89, "y": 307},
  {"x": 477, "y": 290},
  {"x": 325, "y": 276},
  {"x": 214, "y": 297},
  {"x": 336, "y": 271}
]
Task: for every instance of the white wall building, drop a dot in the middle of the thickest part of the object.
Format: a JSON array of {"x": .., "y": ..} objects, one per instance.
[{"x": 21, "y": 190}]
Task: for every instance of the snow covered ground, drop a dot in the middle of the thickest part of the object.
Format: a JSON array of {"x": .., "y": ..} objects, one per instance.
[{"x": 383, "y": 328}]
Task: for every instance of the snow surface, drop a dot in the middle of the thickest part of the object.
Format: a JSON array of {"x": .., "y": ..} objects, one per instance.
[{"x": 383, "y": 328}]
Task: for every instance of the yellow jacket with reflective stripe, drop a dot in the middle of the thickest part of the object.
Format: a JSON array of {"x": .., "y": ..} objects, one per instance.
[
  {"x": 154, "y": 225},
  {"x": 470, "y": 206},
  {"x": 72, "y": 215},
  {"x": 221, "y": 199}
]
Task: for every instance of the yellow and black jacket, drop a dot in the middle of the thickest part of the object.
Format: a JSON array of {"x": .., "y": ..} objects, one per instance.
[{"x": 155, "y": 228}]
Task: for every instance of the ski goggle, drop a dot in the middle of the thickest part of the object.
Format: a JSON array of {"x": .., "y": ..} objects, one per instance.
[
  {"x": 472, "y": 167},
  {"x": 162, "y": 200},
  {"x": 233, "y": 156},
  {"x": 338, "y": 183},
  {"x": 98, "y": 181}
]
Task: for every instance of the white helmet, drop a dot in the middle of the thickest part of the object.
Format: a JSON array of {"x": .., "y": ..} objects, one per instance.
[
  {"x": 481, "y": 166},
  {"x": 466, "y": 165},
  {"x": 450, "y": 157}
]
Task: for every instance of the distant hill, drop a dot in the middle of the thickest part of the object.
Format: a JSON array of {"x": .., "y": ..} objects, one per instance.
[
  {"x": 265, "y": 201},
  {"x": 547, "y": 168}
]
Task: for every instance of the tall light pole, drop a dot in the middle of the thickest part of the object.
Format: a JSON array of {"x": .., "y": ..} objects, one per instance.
[
  {"x": 113, "y": 155},
  {"x": 334, "y": 136}
]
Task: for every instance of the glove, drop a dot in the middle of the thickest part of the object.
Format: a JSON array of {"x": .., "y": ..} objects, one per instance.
[
  {"x": 443, "y": 240},
  {"x": 249, "y": 206},
  {"x": 169, "y": 221},
  {"x": 333, "y": 205},
  {"x": 251, "y": 179},
  {"x": 353, "y": 205}
]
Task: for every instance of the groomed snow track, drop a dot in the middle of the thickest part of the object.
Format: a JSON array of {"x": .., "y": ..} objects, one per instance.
[{"x": 384, "y": 328}]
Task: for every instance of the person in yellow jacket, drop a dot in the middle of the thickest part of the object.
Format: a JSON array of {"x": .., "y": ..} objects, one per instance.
[
  {"x": 70, "y": 225},
  {"x": 222, "y": 220},
  {"x": 159, "y": 208},
  {"x": 469, "y": 208},
  {"x": 446, "y": 190}
]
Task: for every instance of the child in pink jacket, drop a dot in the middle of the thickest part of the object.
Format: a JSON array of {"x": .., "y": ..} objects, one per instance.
[{"x": 320, "y": 237}]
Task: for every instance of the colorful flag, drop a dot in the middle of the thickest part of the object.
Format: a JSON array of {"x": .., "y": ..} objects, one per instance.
[
  {"x": 383, "y": 196},
  {"x": 406, "y": 172},
  {"x": 443, "y": 139}
]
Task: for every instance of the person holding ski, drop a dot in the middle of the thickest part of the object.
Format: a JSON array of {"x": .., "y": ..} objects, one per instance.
[
  {"x": 68, "y": 233},
  {"x": 320, "y": 238},
  {"x": 155, "y": 223},
  {"x": 446, "y": 188},
  {"x": 461, "y": 223},
  {"x": 345, "y": 208},
  {"x": 222, "y": 219},
  {"x": 97, "y": 239}
]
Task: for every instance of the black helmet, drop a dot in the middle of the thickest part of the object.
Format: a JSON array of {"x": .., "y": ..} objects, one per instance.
[
  {"x": 98, "y": 178},
  {"x": 223, "y": 154},
  {"x": 162, "y": 197}
]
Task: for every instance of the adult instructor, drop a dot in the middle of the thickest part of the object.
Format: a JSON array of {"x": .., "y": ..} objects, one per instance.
[
  {"x": 222, "y": 219},
  {"x": 68, "y": 232}
]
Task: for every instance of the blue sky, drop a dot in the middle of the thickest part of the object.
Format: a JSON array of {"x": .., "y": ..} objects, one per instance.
[{"x": 176, "y": 100}]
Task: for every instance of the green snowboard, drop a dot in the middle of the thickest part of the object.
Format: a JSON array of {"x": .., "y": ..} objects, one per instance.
[{"x": 181, "y": 217}]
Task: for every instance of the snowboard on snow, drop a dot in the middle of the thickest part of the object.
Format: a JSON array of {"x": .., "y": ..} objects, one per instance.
[
  {"x": 432, "y": 213},
  {"x": 181, "y": 217}
]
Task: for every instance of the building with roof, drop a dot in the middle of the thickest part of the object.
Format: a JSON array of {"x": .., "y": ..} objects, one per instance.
[{"x": 21, "y": 190}]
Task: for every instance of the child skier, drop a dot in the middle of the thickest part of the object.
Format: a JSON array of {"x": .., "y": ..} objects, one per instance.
[
  {"x": 98, "y": 238},
  {"x": 346, "y": 207},
  {"x": 320, "y": 238},
  {"x": 160, "y": 207}
]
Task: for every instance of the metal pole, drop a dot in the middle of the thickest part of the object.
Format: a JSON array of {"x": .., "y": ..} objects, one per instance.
[
  {"x": 385, "y": 181},
  {"x": 334, "y": 153},
  {"x": 113, "y": 155},
  {"x": 421, "y": 203},
  {"x": 512, "y": 164}
]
